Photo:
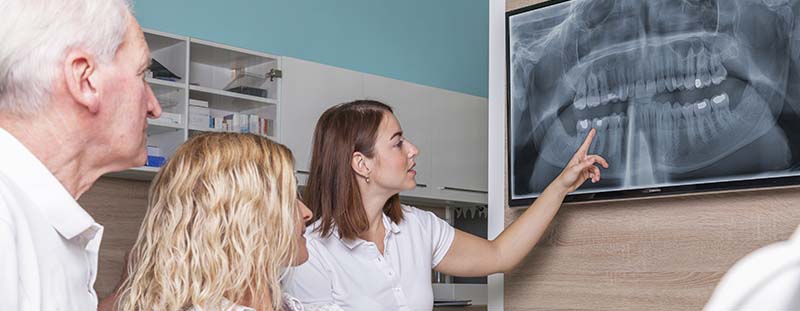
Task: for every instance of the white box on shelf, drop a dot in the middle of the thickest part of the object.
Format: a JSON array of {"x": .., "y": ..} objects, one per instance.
[
  {"x": 253, "y": 124},
  {"x": 194, "y": 110},
  {"x": 153, "y": 150},
  {"x": 199, "y": 117},
  {"x": 270, "y": 128},
  {"x": 243, "y": 121},
  {"x": 198, "y": 122},
  {"x": 198, "y": 103}
]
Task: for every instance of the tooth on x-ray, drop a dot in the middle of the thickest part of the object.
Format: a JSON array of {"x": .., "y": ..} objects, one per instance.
[{"x": 692, "y": 83}]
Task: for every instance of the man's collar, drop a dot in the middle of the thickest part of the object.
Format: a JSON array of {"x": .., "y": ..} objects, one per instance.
[{"x": 42, "y": 188}]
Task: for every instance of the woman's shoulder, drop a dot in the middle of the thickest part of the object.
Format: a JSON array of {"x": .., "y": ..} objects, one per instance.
[
  {"x": 415, "y": 213},
  {"x": 419, "y": 218}
]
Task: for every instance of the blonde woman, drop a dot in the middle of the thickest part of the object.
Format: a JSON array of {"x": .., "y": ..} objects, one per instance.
[{"x": 222, "y": 224}]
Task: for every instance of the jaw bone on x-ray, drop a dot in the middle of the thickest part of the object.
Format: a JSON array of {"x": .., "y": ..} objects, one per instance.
[{"x": 679, "y": 91}]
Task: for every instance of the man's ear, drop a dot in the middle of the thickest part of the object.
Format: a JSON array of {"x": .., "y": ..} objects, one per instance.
[
  {"x": 360, "y": 164},
  {"x": 80, "y": 75}
]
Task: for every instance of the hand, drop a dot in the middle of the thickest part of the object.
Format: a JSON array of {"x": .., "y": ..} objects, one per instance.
[{"x": 581, "y": 167}]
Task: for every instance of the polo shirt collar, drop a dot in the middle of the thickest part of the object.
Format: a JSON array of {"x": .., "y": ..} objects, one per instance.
[
  {"x": 389, "y": 225},
  {"x": 42, "y": 188}
]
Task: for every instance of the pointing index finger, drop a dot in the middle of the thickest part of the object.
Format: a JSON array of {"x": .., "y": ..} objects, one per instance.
[{"x": 584, "y": 149}]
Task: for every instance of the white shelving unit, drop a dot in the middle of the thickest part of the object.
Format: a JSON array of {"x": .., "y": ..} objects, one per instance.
[{"x": 209, "y": 72}]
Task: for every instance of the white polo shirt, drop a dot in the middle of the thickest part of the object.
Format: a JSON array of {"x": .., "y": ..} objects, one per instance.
[
  {"x": 48, "y": 243},
  {"x": 766, "y": 279},
  {"x": 354, "y": 275}
]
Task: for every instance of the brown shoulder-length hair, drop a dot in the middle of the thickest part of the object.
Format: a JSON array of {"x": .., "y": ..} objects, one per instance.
[{"x": 332, "y": 192}]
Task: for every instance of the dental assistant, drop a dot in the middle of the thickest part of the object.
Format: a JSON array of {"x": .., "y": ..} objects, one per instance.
[{"x": 368, "y": 252}]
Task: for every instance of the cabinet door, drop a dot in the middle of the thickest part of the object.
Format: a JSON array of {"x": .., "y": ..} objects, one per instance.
[
  {"x": 459, "y": 142},
  {"x": 411, "y": 105},
  {"x": 308, "y": 89}
]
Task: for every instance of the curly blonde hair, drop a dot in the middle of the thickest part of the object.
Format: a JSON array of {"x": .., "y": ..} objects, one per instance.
[{"x": 220, "y": 226}]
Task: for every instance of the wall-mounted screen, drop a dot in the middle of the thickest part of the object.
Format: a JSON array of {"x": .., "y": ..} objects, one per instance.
[{"x": 685, "y": 95}]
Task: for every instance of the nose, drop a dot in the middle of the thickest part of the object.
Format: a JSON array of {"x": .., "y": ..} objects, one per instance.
[
  {"x": 153, "y": 106},
  {"x": 305, "y": 212},
  {"x": 413, "y": 150}
]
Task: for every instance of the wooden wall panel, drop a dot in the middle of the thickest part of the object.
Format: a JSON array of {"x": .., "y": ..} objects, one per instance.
[
  {"x": 653, "y": 254},
  {"x": 119, "y": 205}
]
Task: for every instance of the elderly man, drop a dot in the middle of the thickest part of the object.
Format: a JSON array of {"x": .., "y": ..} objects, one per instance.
[{"x": 73, "y": 106}]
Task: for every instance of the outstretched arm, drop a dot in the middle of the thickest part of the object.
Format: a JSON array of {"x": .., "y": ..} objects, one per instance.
[{"x": 470, "y": 255}]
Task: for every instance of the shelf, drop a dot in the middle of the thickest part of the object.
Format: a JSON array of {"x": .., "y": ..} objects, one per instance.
[
  {"x": 204, "y": 129},
  {"x": 154, "y": 81},
  {"x": 156, "y": 127},
  {"x": 169, "y": 95},
  {"x": 218, "y": 55},
  {"x": 157, "y": 40},
  {"x": 230, "y": 101},
  {"x": 136, "y": 173}
]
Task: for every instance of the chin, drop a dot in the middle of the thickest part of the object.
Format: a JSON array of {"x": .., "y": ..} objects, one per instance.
[
  {"x": 123, "y": 161},
  {"x": 141, "y": 158},
  {"x": 301, "y": 257},
  {"x": 407, "y": 187},
  {"x": 412, "y": 184}
]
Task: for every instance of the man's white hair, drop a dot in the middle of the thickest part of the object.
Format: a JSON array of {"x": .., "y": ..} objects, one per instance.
[{"x": 34, "y": 38}]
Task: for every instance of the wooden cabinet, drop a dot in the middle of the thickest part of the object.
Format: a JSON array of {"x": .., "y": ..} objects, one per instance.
[
  {"x": 459, "y": 145},
  {"x": 449, "y": 128}
]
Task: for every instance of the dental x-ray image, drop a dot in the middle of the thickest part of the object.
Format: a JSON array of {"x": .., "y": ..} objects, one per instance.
[{"x": 680, "y": 92}]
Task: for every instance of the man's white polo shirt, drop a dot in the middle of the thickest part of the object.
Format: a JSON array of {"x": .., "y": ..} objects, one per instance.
[{"x": 48, "y": 243}]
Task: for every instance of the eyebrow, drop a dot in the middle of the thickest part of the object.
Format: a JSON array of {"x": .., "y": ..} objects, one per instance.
[
  {"x": 147, "y": 63},
  {"x": 400, "y": 133}
]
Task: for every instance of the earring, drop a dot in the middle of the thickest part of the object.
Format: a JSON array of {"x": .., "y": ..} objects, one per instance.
[{"x": 367, "y": 179}]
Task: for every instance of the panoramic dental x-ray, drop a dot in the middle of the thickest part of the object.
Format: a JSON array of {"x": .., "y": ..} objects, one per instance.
[{"x": 679, "y": 91}]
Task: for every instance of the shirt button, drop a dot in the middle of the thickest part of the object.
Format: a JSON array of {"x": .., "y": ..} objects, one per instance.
[
  {"x": 391, "y": 274},
  {"x": 397, "y": 289}
]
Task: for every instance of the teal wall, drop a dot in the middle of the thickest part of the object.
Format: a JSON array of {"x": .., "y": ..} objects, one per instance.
[{"x": 439, "y": 43}]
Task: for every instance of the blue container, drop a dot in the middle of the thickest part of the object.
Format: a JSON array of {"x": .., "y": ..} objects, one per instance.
[{"x": 155, "y": 161}]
